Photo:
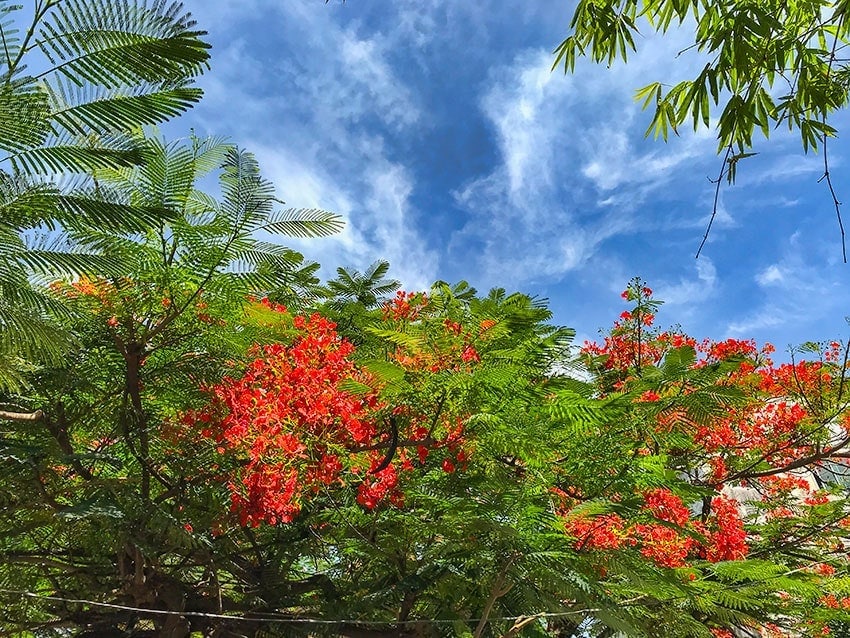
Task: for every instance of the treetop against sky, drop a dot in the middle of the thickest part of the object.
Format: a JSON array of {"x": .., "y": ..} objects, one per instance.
[
  {"x": 454, "y": 151},
  {"x": 199, "y": 437}
]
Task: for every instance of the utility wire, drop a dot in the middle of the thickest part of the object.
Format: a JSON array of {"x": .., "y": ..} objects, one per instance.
[
  {"x": 288, "y": 619},
  {"x": 281, "y": 618}
]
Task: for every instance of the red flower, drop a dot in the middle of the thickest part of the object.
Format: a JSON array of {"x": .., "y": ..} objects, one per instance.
[
  {"x": 469, "y": 354},
  {"x": 729, "y": 541},
  {"x": 286, "y": 414},
  {"x": 666, "y": 506}
]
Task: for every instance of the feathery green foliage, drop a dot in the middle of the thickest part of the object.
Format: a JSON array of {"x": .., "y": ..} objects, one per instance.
[{"x": 74, "y": 83}]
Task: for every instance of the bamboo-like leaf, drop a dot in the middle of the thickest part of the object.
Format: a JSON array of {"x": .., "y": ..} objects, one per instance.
[
  {"x": 74, "y": 210},
  {"x": 384, "y": 371},
  {"x": 59, "y": 263},
  {"x": 110, "y": 67},
  {"x": 413, "y": 342},
  {"x": 23, "y": 117},
  {"x": 53, "y": 160}
]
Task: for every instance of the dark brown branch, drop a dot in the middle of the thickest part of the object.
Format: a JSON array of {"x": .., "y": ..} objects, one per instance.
[
  {"x": 822, "y": 454},
  {"x": 716, "y": 198},
  {"x": 437, "y": 413},
  {"x": 59, "y": 431},
  {"x": 796, "y": 540},
  {"x": 806, "y": 460},
  {"x": 835, "y": 202},
  {"x": 392, "y": 448},
  {"x": 385, "y": 445}
]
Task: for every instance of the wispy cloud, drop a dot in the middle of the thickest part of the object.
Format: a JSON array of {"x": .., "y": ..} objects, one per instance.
[
  {"x": 439, "y": 131},
  {"x": 798, "y": 290},
  {"x": 782, "y": 169},
  {"x": 773, "y": 274},
  {"x": 687, "y": 291},
  {"x": 318, "y": 118},
  {"x": 572, "y": 173}
]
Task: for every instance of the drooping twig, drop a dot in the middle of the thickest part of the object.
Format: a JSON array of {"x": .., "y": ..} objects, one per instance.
[
  {"x": 825, "y": 175},
  {"x": 835, "y": 201},
  {"x": 716, "y": 198}
]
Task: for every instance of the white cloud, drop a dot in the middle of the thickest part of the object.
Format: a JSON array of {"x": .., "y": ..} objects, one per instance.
[
  {"x": 380, "y": 222},
  {"x": 767, "y": 317},
  {"x": 360, "y": 83},
  {"x": 797, "y": 291},
  {"x": 571, "y": 174},
  {"x": 722, "y": 217},
  {"x": 318, "y": 118},
  {"x": 348, "y": 107},
  {"x": 770, "y": 275},
  {"x": 782, "y": 169},
  {"x": 517, "y": 110},
  {"x": 691, "y": 291},
  {"x": 615, "y": 164}
]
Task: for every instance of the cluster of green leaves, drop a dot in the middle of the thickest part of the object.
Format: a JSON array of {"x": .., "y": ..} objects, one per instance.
[
  {"x": 767, "y": 63},
  {"x": 74, "y": 83},
  {"x": 148, "y": 335},
  {"x": 144, "y": 270},
  {"x": 107, "y": 499}
]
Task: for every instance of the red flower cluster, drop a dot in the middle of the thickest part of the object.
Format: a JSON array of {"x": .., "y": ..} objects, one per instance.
[
  {"x": 124, "y": 302},
  {"x": 448, "y": 347},
  {"x": 621, "y": 351},
  {"x": 805, "y": 378},
  {"x": 663, "y": 545},
  {"x": 666, "y": 506},
  {"x": 470, "y": 355},
  {"x": 831, "y": 601},
  {"x": 290, "y": 421},
  {"x": 756, "y": 427},
  {"x": 378, "y": 487},
  {"x": 728, "y": 349},
  {"x": 781, "y": 486},
  {"x": 406, "y": 306},
  {"x": 728, "y": 541},
  {"x": 667, "y": 545},
  {"x": 293, "y": 430}
]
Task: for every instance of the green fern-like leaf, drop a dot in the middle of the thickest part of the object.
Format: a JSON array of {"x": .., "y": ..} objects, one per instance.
[{"x": 303, "y": 222}]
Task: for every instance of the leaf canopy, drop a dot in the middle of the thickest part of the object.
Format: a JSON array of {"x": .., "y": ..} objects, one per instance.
[
  {"x": 76, "y": 81},
  {"x": 768, "y": 64}
]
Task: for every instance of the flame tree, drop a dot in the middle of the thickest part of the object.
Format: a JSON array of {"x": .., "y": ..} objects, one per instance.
[{"x": 458, "y": 471}]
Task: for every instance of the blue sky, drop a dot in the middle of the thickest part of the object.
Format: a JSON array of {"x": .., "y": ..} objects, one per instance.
[{"x": 437, "y": 129}]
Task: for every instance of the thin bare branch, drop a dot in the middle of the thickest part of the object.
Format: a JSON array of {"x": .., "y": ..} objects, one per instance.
[{"x": 716, "y": 198}]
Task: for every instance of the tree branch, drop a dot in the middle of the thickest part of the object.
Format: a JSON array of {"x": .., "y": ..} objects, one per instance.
[
  {"x": 716, "y": 198},
  {"x": 22, "y": 417}
]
